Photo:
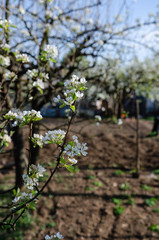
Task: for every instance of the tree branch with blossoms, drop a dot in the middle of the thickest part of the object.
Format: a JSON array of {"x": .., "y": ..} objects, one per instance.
[
  {"x": 17, "y": 118},
  {"x": 26, "y": 200}
]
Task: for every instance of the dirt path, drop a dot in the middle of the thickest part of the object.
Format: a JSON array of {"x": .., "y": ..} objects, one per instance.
[{"x": 86, "y": 204}]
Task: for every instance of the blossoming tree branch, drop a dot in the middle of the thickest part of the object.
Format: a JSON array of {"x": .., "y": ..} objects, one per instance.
[{"x": 68, "y": 150}]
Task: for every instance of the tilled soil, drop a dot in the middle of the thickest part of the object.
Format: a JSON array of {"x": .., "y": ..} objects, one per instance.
[{"x": 80, "y": 205}]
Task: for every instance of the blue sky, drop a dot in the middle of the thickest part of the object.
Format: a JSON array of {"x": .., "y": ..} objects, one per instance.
[{"x": 140, "y": 9}]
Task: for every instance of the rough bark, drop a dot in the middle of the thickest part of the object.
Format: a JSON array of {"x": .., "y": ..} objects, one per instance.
[{"x": 21, "y": 160}]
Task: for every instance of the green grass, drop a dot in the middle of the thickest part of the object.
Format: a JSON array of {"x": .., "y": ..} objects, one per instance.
[
  {"x": 151, "y": 202},
  {"x": 154, "y": 228},
  {"x": 156, "y": 210},
  {"x": 130, "y": 201},
  {"x": 118, "y": 210},
  {"x": 89, "y": 188},
  {"x": 98, "y": 184},
  {"x": 91, "y": 177},
  {"x": 156, "y": 171},
  {"x": 50, "y": 224},
  {"x": 117, "y": 201},
  {"x": 146, "y": 188},
  {"x": 124, "y": 186},
  {"x": 118, "y": 173}
]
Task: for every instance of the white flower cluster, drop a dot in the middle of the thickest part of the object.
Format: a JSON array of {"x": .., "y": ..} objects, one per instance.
[
  {"x": 73, "y": 93},
  {"x": 39, "y": 84},
  {"x": 4, "y": 23},
  {"x": 32, "y": 73},
  {"x": 23, "y": 58},
  {"x": 32, "y": 179},
  {"x": 4, "y": 137},
  {"x": 22, "y": 10},
  {"x": 75, "y": 82},
  {"x": 51, "y": 51},
  {"x": 23, "y": 117},
  {"x": 37, "y": 78},
  {"x": 5, "y": 47},
  {"x": 74, "y": 148},
  {"x": 58, "y": 235},
  {"x": 10, "y": 75},
  {"x": 4, "y": 61},
  {"x": 22, "y": 196},
  {"x": 55, "y": 136}
]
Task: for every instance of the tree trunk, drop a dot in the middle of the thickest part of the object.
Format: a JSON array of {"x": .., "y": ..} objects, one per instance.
[
  {"x": 21, "y": 160},
  {"x": 137, "y": 140}
]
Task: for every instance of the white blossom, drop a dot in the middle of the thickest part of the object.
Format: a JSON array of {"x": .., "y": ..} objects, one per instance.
[
  {"x": 22, "y": 196},
  {"x": 4, "y": 23},
  {"x": 79, "y": 94},
  {"x": 38, "y": 170},
  {"x": 23, "y": 117},
  {"x": 4, "y": 61},
  {"x": 16, "y": 199},
  {"x": 72, "y": 161},
  {"x": 57, "y": 99},
  {"x": 73, "y": 92},
  {"x": 5, "y": 137},
  {"x": 21, "y": 10},
  {"x": 32, "y": 73},
  {"x": 23, "y": 58},
  {"x": 38, "y": 139},
  {"x": 51, "y": 51},
  {"x": 10, "y": 75},
  {"x": 75, "y": 149},
  {"x": 32, "y": 179},
  {"x": 5, "y": 46},
  {"x": 58, "y": 235},
  {"x": 39, "y": 84}
]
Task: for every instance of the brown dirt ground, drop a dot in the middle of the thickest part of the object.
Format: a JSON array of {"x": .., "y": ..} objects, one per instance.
[{"x": 80, "y": 205}]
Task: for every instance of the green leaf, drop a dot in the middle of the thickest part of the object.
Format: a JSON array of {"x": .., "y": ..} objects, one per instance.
[
  {"x": 14, "y": 26},
  {"x": 63, "y": 105},
  {"x": 51, "y": 59},
  {"x": 41, "y": 91},
  {"x": 14, "y": 192},
  {"x": 62, "y": 160},
  {"x": 73, "y": 108},
  {"x": 32, "y": 206},
  {"x": 18, "y": 190},
  {"x": 70, "y": 168},
  {"x": 74, "y": 97},
  {"x": 71, "y": 143}
]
